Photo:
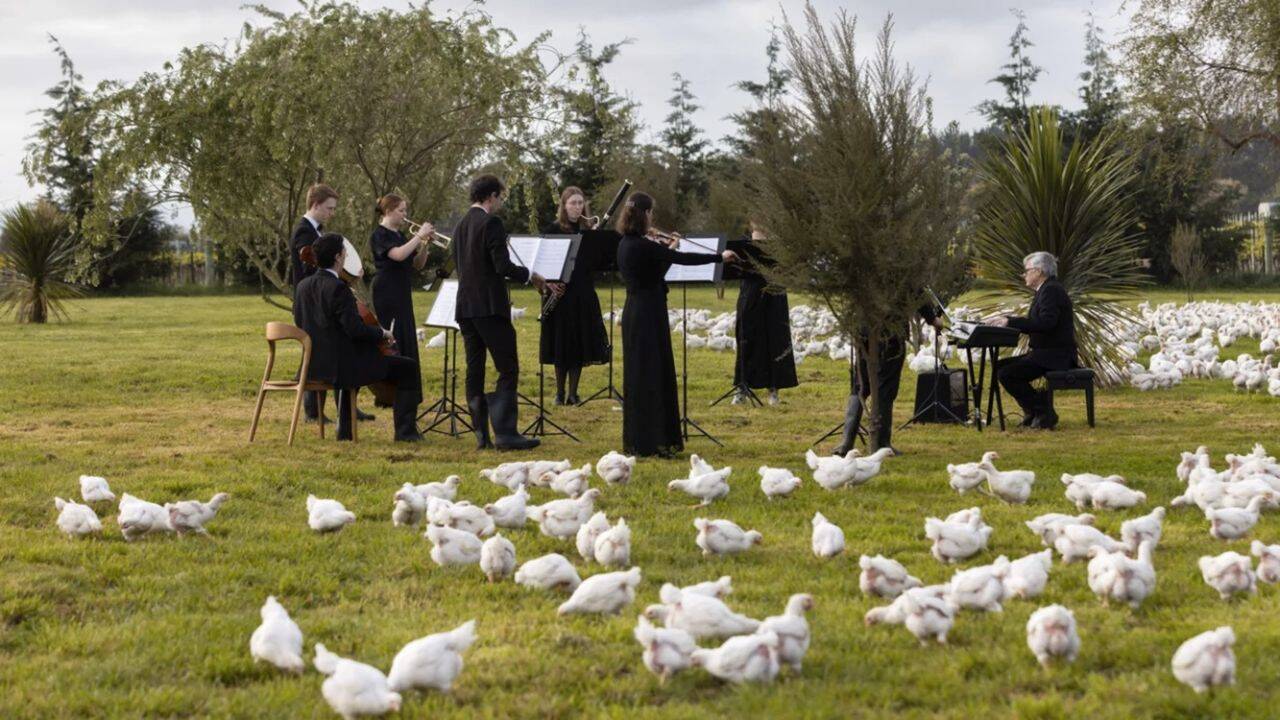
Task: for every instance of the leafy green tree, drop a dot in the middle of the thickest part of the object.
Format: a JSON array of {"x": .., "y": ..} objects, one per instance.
[
  {"x": 1075, "y": 203},
  {"x": 602, "y": 124},
  {"x": 858, "y": 197},
  {"x": 37, "y": 254},
  {"x": 61, "y": 154},
  {"x": 1020, "y": 73},
  {"x": 1100, "y": 89},
  {"x": 688, "y": 146}
]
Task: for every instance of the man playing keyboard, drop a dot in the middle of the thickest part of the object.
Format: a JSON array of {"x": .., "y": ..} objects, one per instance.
[{"x": 1049, "y": 326}]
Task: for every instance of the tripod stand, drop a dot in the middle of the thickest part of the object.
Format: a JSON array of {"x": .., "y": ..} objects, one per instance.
[
  {"x": 685, "y": 421},
  {"x": 744, "y": 391},
  {"x": 540, "y": 423},
  {"x": 854, "y": 389},
  {"x": 609, "y": 391},
  {"x": 446, "y": 408},
  {"x": 934, "y": 403}
]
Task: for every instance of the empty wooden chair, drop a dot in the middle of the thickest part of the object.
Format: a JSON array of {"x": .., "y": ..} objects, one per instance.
[{"x": 277, "y": 331}]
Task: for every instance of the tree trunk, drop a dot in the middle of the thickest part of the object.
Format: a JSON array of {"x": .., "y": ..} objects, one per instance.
[{"x": 874, "y": 411}]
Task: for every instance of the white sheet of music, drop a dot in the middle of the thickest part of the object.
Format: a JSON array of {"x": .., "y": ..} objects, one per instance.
[
  {"x": 543, "y": 255},
  {"x": 523, "y": 249},
  {"x": 695, "y": 273},
  {"x": 442, "y": 310}
]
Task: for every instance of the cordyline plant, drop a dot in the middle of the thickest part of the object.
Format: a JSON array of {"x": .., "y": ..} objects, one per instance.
[{"x": 37, "y": 254}]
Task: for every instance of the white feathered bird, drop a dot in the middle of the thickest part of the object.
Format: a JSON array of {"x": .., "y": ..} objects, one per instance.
[
  {"x": 187, "y": 516},
  {"x": 408, "y": 506},
  {"x": 1028, "y": 575},
  {"x": 585, "y": 540},
  {"x": 699, "y": 615},
  {"x": 1229, "y": 573},
  {"x": 549, "y": 572},
  {"x": 884, "y": 577},
  {"x": 967, "y": 476},
  {"x": 666, "y": 650},
  {"x": 432, "y": 662},
  {"x": 1012, "y": 486},
  {"x": 562, "y": 518},
  {"x": 95, "y": 489},
  {"x": 777, "y": 482},
  {"x": 1206, "y": 660},
  {"x": 327, "y": 515},
  {"x": 1146, "y": 527},
  {"x": 613, "y": 546},
  {"x": 1051, "y": 635},
  {"x": 742, "y": 659},
  {"x": 453, "y": 546},
  {"x": 509, "y": 511},
  {"x": 76, "y": 520},
  {"x": 497, "y": 558},
  {"x": 724, "y": 537},
  {"x": 792, "y": 630},
  {"x": 615, "y": 468},
  {"x": 354, "y": 688},
  {"x": 138, "y": 518},
  {"x": 828, "y": 538},
  {"x": 1268, "y": 561},
  {"x": 606, "y": 593},
  {"x": 278, "y": 640}
]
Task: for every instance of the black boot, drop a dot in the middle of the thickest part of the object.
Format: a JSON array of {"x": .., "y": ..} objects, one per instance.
[
  {"x": 480, "y": 420},
  {"x": 405, "y": 411},
  {"x": 504, "y": 414},
  {"x": 852, "y": 422}
]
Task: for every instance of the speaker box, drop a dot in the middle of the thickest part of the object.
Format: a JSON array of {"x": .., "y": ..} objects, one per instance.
[{"x": 952, "y": 386}]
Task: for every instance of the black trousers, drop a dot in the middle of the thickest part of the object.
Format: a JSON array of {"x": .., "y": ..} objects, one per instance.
[
  {"x": 1016, "y": 375},
  {"x": 310, "y": 406},
  {"x": 403, "y": 372},
  {"x": 892, "y": 356},
  {"x": 496, "y": 336}
]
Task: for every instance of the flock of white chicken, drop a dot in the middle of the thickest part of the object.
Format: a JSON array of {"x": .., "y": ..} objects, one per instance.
[{"x": 1118, "y": 570}]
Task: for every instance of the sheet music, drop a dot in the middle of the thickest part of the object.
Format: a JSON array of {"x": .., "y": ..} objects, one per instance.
[
  {"x": 442, "y": 310},
  {"x": 523, "y": 249},
  {"x": 544, "y": 255},
  {"x": 696, "y": 273}
]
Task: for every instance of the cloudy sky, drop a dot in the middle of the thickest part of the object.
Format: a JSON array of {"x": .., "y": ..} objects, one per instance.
[{"x": 957, "y": 44}]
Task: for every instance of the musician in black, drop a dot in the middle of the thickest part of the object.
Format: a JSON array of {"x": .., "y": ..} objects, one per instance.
[
  {"x": 573, "y": 334},
  {"x": 651, "y": 413},
  {"x": 892, "y": 354},
  {"x": 765, "y": 358},
  {"x": 396, "y": 259},
  {"x": 483, "y": 312},
  {"x": 344, "y": 350},
  {"x": 1050, "y": 329}
]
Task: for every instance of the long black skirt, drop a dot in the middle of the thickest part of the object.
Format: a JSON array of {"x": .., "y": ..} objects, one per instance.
[
  {"x": 573, "y": 335},
  {"x": 765, "y": 358},
  {"x": 392, "y": 303},
  {"x": 650, "y": 406}
]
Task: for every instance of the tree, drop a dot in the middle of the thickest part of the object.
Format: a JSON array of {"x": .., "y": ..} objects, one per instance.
[
  {"x": 240, "y": 133},
  {"x": 1215, "y": 62},
  {"x": 856, "y": 193},
  {"x": 1100, "y": 91},
  {"x": 37, "y": 253},
  {"x": 61, "y": 154},
  {"x": 687, "y": 146},
  {"x": 1075, "y": 203},
  {"x": 1020, "y": 73},
  {"x": 1187, "y": 257}
]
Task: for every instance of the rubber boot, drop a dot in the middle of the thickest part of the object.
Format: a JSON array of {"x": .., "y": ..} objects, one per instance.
[
  {"x": 852, "y": 422},
  {"x": 504, "y": 414},
  {"x": 405, "y": 412},
  {"x": 479, "y": 408}
]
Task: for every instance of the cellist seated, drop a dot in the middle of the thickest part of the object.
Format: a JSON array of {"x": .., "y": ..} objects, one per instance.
[{"x": 345, "y": 351}]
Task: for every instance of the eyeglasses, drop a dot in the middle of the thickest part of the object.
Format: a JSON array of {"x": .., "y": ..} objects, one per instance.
[{"x": 1027, "y": 270}]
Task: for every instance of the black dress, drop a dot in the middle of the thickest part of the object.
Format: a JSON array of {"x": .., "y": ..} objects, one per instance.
[
  {"x": 573, "y": 335},
  {"x": 651, "y": 411},
  {"x": 393, "y": 290},
  {"x": 763, "y": 329}
]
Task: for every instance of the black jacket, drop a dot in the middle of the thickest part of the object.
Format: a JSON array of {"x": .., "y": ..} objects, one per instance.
[
  {"x": 304, "y": 233},
  {"x": 483, "y": 266},
  {"x": 344, "y": 350},
  {"x": 1050, "y": 326}
]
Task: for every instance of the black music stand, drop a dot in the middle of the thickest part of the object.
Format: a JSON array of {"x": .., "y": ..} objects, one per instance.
[
  {"x": 854, "y": 389},
  {"x": 687, "y": 422},
  {"x": 599, "y": 250},
  {"x": 446, "y": 408},
  {"x": 556, "y": 272}
]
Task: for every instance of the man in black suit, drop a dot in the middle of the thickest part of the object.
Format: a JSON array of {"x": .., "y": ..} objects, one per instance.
[
  {"x": 344, "y": 350},
  {"x": 483, "y": 312},
  {"x": 1050, "y": 327}
]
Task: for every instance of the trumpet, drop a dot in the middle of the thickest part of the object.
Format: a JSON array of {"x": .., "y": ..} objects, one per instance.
[{"x": 438, "y": 239}]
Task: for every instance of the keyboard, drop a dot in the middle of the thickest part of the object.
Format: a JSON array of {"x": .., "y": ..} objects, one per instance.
[{"x": 975, "y": 335}]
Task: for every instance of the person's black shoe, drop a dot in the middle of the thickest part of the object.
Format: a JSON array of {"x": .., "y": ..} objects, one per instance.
[
  {"x": 415, "y": 437},
  {"x": 1027, "y": 420},
  {"x": 559, "y": 398},
  {"x": 1047, "y": 420},
  {"x": 315, "y": 418},
  {"x": 573, "y": 399},
  {"x": 503, "y": 414},
  {"x": 479, "y": 408},
  {"x": 363, "y": 416}
]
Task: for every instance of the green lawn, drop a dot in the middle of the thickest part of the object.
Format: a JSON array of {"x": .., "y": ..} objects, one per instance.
[{"x": 155, "y": 394}]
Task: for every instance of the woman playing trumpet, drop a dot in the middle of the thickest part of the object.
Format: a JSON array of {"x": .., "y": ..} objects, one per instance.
[
  {"x": 396, "y": 258},
  {"x": 573, "y": 334}
]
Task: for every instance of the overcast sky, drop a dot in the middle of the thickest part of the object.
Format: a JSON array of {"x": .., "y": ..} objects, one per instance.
[{"x": 958, "y": 44}]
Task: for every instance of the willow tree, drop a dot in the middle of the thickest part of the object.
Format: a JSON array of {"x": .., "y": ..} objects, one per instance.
[
  {"x": 859, "y": 199},
  {"x": 1076, "y": 203},
  {"x": 370, "y": 102}
]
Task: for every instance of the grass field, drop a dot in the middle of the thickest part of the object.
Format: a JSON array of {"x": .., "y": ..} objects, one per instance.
[{"x": 156, "y": 393}]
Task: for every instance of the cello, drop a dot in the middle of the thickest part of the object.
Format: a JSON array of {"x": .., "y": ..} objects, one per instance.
[{"x": 351, "y": 272}]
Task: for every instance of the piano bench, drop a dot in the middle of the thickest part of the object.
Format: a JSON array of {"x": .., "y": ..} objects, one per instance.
[{"x": 1074, "y": 379}]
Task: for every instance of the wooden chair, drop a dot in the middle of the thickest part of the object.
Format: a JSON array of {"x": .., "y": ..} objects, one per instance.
[{"x": 277, "y": 331}]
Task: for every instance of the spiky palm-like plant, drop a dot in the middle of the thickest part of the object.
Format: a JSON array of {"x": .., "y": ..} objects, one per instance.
[
  {"x": 36, "y": 254},
  {"x": 1072, "y": 202}
]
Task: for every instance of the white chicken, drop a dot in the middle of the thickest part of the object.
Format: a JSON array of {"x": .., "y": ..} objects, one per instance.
[
  {"x": 706, "y": 486},
  {"x": 1229, "y": 573},
  {"x": 1012, "y": 486},
  {"x": 497, "y": 557},
  {"x": 777, "y": 482},
  {"x": 186, "y": 516},
  {"x": 884, "y": 577},
  {"x": 1206, "y": 660},
  {"x": 967, "y": 476},
  {"x": 539, "y": 472},
  {"x": 1073, "y": 542},
  {"x": 742, "y": 659},
  {"x": 562, "y": 518},
  {"x": 138, "y": 518},
  {"x": 432, "y": 662},
  {"x": 926, "y": 615},
  {"x": 980, "y": 588},
  {"x": 353, "y": 688},
  {"x": 865, "y": 468},
  {"x": 1147, "y": 527},
  {"x": 955, "y": 541},
  {"x": 408, "y": 506},
  {"x": 832, "y": 472},
  {"x": 446, "y": 489},
  {"x": 1116, "y": 576},
  {"x": 613, "y": 546},
  {"x": 95, "y": 489},
  {"x": 719, "y": 588},
  {"x": 327, "y": 515},
  {"x": 549, "y": 572},
  {"x": 1028, "y": 575},
  {"x": 895, "y": 613},
  {"x": 1231, "y": 523},
  {"x": 509, "y": 474},
  {"x": 1049, "y": 525},
  {"x": 666, "y": 650},
  {"x": 1108, "y": 495},
  {"x": 792, "y": 630},
  {"x": 828, "y": 538},
  {"x": 278, "y": 640},
  {"x": 606, "y": 593},
  {"x": 724, "y": 537},
  {"x": 1051, "y": 635},
  {"x": 76, "y": 520},
  {"x": 572, "y": 482},
  {"x": 698, "y": 614},
  {"x": 509, "y": 511},
  {"x": 453, "y": 546},
  {"x": 461, "y": 515},
  {"x": 615, "y": 468},
  {"x": 587, "y": 534},
  {"x": 1268, "y": 561}
]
